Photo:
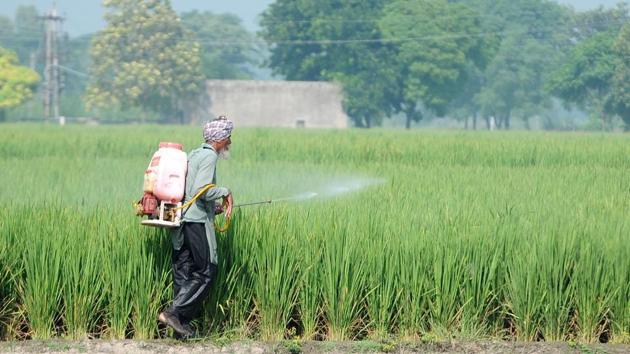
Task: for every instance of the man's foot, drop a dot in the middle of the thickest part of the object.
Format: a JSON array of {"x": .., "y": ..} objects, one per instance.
[
  {"x": 173, "y": 322},
  {"x": 193, "y": 333}
]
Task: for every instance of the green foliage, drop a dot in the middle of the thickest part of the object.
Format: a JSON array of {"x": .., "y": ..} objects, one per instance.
[
  {"x": 16, "y": 82},
  {"x": 621, "y": 77},
  {"x": 518, "y": 72},
  {"x": 423, "y": 58},
  {"x": 222, "y": 61},
  {"x": 22, "y": 35},
  {"x": 431, "y": 64},
  {"x": 293, "y": 29},
  {"x": 585, "y": 78},
  {"x": 601, "y": 19},
  {"x": 144, "y": 58},
  {"x": 532, "y": 37},
  {"x": 6, "y": 29},
  {"x": 596, "y": 73},
  {"x": 435, "y": 251},
  {"x": 293, "y": 346}
]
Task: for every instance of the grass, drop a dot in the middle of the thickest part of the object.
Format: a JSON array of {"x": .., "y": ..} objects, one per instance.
[{"x": 492, "y": 235}]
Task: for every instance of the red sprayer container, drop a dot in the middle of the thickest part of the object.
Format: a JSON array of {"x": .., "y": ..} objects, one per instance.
[{"x": 165, "y": 177}]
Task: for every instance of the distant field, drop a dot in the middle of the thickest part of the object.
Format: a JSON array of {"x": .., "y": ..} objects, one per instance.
[{"x": 415, "y": 234}]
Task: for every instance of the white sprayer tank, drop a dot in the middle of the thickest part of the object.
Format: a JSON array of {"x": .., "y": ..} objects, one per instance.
[{"x": 165, "y": 177}]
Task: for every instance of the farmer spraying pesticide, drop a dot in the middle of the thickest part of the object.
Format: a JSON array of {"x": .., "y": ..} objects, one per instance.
[{"x": 194, "y": 242}]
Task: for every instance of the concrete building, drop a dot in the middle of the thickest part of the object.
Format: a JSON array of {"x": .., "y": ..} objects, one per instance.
[{"x": 289, "y": 104}]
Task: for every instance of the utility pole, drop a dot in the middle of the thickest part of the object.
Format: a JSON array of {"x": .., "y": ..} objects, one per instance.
[{"x": 52, "y": 87}]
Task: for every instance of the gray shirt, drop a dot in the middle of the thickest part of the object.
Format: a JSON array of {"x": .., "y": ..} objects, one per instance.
[{"x": 202, "y": 164}]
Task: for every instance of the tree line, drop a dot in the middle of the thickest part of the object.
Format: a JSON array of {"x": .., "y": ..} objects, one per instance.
[
  {"x": 146, "y": 64},
  {"x": 494, "y": 60},
  {"x": 482, "y": 62}
]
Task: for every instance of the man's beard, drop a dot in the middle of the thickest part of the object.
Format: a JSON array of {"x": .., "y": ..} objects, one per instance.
[{"x": 224, "y": 154}]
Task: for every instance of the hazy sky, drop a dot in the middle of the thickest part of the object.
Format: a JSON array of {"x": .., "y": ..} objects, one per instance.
[{"x": 85, "y": 16}]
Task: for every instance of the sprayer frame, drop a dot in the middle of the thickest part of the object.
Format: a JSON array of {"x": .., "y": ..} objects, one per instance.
[{"x": 160, "y": 222}]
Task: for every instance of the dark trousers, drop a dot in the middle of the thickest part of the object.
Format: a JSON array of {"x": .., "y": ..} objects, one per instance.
[{"x": 192, "y": 273}]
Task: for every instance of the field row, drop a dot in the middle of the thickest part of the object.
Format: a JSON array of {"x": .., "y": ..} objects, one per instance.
[{"x": 411, "y": 234}]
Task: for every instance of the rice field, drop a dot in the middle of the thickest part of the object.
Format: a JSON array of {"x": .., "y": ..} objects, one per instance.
[{"x": 411, "y": 234}]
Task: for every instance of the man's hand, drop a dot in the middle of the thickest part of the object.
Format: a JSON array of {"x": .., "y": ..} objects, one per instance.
[
  {"x": 218, "y": 209},
  {"x": 228, "y": 203}
]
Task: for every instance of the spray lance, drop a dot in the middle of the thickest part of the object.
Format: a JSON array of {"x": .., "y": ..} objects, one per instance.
[
  {"x": 164, "y": 182},
  {"x": 171, "y": 215},
  {"x": 227, "y": 220}
]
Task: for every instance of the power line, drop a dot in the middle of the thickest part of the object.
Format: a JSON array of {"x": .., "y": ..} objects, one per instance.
[
  {"x": 378, "y": 40},
  {"x": 73, "y": 71},
  {"x": 348, "y": 41},
  {"x": 437, "y": 16},
  {"x": 606, "y": 16}
]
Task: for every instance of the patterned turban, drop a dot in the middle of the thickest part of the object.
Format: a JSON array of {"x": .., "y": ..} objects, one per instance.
[{"x": 218, "y": 129}]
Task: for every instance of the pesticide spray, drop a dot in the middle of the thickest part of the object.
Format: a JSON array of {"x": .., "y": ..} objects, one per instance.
[{"x": 332, "y": 189}]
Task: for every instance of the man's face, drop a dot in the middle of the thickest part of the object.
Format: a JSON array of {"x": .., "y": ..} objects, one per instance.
[
  {"x": 225, "y": 144},
  {"x": 223, "y": 147}
]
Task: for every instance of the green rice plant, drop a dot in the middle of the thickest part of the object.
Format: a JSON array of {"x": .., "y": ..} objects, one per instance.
[
  {"x": 309, "y": 291},
  {"x": 481, "y": 285},
  {"x": 449, "y": 269},
  {"x": 10, "y": 270},
  {"x": 82, "y": 276},
  {"x": 343, "y": 279},
  {"x": 505, "y": 234},
  {"x": 215, "y": 309},
  {"x": 43, "y": 254},
  {"x": 230, "y": 300},
  {"x": 416, "y": 286},
  {"x": 620, "y": 301},
  {"x": 524, "y": 298},
  {"x": 593, "y": 290},
  {"x": 383, "y": 282},
  {"x": 276, "y": 270},
  {"x": 119, "y": 278},
  {"x": 556, "y": 269},
  {"x": 151, "y": 277}
]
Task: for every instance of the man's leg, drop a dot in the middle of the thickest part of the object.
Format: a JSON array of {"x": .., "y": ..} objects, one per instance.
[
  {"x": 195, "y": 288},
  {"x": 182, "y": 264}
]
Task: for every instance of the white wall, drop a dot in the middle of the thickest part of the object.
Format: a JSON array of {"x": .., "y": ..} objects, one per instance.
[{"x": 273, "y": 103}]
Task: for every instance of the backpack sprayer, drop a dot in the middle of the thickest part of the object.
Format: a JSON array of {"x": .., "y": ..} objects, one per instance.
[{"x": 164, "y": 185}]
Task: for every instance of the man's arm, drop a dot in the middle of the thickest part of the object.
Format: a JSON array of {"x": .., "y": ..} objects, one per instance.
[{"x": 205, "y": 174}]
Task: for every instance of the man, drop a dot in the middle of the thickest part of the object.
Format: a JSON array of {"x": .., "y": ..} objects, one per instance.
[{"x": 194, "y": 242}]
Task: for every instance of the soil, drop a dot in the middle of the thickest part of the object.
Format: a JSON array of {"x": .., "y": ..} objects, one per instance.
[{"x": 294, "y": 347}]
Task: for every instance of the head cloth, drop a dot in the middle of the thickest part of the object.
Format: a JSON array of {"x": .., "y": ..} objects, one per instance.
[{"x": 218, "y": 129}]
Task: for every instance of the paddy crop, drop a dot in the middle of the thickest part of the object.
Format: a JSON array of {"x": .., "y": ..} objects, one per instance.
[{"x": 404, "y": 233}]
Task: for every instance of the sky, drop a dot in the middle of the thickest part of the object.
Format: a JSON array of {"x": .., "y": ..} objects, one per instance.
[{"x": 86, "y": 16}]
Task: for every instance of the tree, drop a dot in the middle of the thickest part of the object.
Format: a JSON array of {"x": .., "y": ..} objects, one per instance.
[
  {"x": 6, "y": 29},
  {"x": 514, "y": 80},
  {"x": 16, "y": 82},
  {"x": 620, "y": 91},
  {"x": 227, "y": 47},
  {"x": 144, "y": 58},
  {"x": 585, "y": 78},
  {"x": 29, "y": 30},
  {"x": 437, "y": 42},
  {"x": 318, "y": 40},
  {"x": 588, "y": 23},
  {"x": 369, "y": 88},
  {"x": 464, "y": 106},
  {"x": 532, "y": 36}
]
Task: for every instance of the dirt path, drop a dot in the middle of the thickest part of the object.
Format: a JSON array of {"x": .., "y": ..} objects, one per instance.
[{"x": 294, "y": 347}]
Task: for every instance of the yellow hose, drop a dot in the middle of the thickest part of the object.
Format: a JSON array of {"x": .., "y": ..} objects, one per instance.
[{"x": 202, "y": 191}]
